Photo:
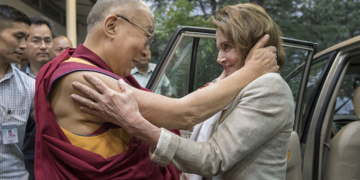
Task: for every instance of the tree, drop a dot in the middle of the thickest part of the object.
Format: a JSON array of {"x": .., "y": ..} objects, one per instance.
[
  {"x": 325, "y": 22},
  {"x": 179, "y": 13},
  {"x": 169, "y": 14}
]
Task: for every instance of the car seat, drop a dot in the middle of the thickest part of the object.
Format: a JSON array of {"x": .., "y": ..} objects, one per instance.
[
  {"x": 294, "y": 161},
  {"x": 344, "y": 163}
]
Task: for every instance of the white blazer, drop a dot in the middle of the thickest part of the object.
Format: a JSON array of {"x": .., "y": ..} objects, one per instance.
[{"x": 250, "y": 142}]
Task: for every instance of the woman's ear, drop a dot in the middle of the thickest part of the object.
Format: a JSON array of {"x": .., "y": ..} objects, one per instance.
[{"x": 110, "y": 26}]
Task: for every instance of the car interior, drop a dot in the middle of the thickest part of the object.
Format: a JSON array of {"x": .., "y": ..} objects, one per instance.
[{"x": 341, "y": 157}]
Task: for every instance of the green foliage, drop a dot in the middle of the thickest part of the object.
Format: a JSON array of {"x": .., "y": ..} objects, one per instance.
[
  {"x": 179, "y": 13},
  {"x": 326, "y": 22}
]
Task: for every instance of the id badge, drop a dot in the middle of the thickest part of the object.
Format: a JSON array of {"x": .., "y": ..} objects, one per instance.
[{"x": 10, "y": 134}]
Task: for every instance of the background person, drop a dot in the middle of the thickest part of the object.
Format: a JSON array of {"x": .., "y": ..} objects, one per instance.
[
  {"x": 61, "y": 43},
  {"x": 250, "y": 139},
  {"x": 144, "y": 70},
  {"x": 16, "y": 92},
  {"x": 343, "y": 105},
  {"x": 39, "y": 44}
]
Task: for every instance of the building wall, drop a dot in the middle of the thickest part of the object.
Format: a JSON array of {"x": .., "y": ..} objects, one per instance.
[{"x": 58, "y": 28}]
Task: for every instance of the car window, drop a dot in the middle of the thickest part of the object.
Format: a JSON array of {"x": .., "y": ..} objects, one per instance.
[
  {"x": 293, "y": 70},
  {"x": 344, "y": 107},
  {"x": 179, "y": 67},
  {"x": 205, "y": 69},
  {"x": 317, "y": 70}
]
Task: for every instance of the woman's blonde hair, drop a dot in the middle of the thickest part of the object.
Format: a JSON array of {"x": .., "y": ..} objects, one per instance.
[{"x": 245, "y": 24}]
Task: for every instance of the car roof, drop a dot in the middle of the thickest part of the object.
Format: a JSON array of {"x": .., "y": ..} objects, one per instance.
[{"x": 338, "y": 46}]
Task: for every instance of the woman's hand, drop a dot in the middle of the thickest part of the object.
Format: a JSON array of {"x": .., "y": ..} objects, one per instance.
[
  {"x": 222, "y": 76},
  {"x": 118, "y": 108},
  {"x": 262, "y": 59}
]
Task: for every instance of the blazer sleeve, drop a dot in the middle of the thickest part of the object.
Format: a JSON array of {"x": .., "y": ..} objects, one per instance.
[{"x": 265, "y": 107}]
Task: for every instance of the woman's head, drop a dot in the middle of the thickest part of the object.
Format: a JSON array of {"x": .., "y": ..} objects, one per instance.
[{"x": 243, "y": 25}]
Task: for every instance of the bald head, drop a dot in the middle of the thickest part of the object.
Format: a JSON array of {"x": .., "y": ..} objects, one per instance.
[
  {"x": 102, "y": 8},
  {"x": 123, "y": 28},
  {"x": 61, "y": 43}
]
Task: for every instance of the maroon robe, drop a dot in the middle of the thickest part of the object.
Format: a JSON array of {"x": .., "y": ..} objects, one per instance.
[{"x": 56, "y": 158}]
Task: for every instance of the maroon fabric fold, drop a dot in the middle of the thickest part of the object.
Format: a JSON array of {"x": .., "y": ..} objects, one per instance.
[{"x": 56, "y": 158}]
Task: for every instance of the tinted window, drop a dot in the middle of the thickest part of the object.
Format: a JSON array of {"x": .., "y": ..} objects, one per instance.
[
  {"x": 317, "y": 70},
  {"x": 344, "y": 106},
  {"x": 293, "y": 70},
  {"x": 207, "y": 69},
  {"x": 179, "y": 67}
]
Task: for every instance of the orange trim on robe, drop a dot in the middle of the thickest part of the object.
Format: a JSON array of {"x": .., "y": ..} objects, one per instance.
[
  {"x": 108, "y": 144},
  {"x": 79, "y": 61}
]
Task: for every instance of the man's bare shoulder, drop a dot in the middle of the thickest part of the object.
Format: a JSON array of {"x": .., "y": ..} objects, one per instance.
[
  {"x": 67, "y": 112},
  {"x": 78, "y": 76}
]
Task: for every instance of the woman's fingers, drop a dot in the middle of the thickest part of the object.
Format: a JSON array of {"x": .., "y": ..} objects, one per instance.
[
  {"x": 272, "y": 49},
  {"x": 261, "y": 43}
]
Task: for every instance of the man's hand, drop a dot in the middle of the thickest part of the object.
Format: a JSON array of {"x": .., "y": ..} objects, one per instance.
[
  {"x": 262, "y": 59},
  {"x": 118, "y": 108}
]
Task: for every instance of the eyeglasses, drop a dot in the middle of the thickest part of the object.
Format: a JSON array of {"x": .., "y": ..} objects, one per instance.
[{"x": 150, "y": 36}]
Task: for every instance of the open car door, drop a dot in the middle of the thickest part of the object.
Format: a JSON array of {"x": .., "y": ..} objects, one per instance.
[{"x": 189, "y": 62}]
